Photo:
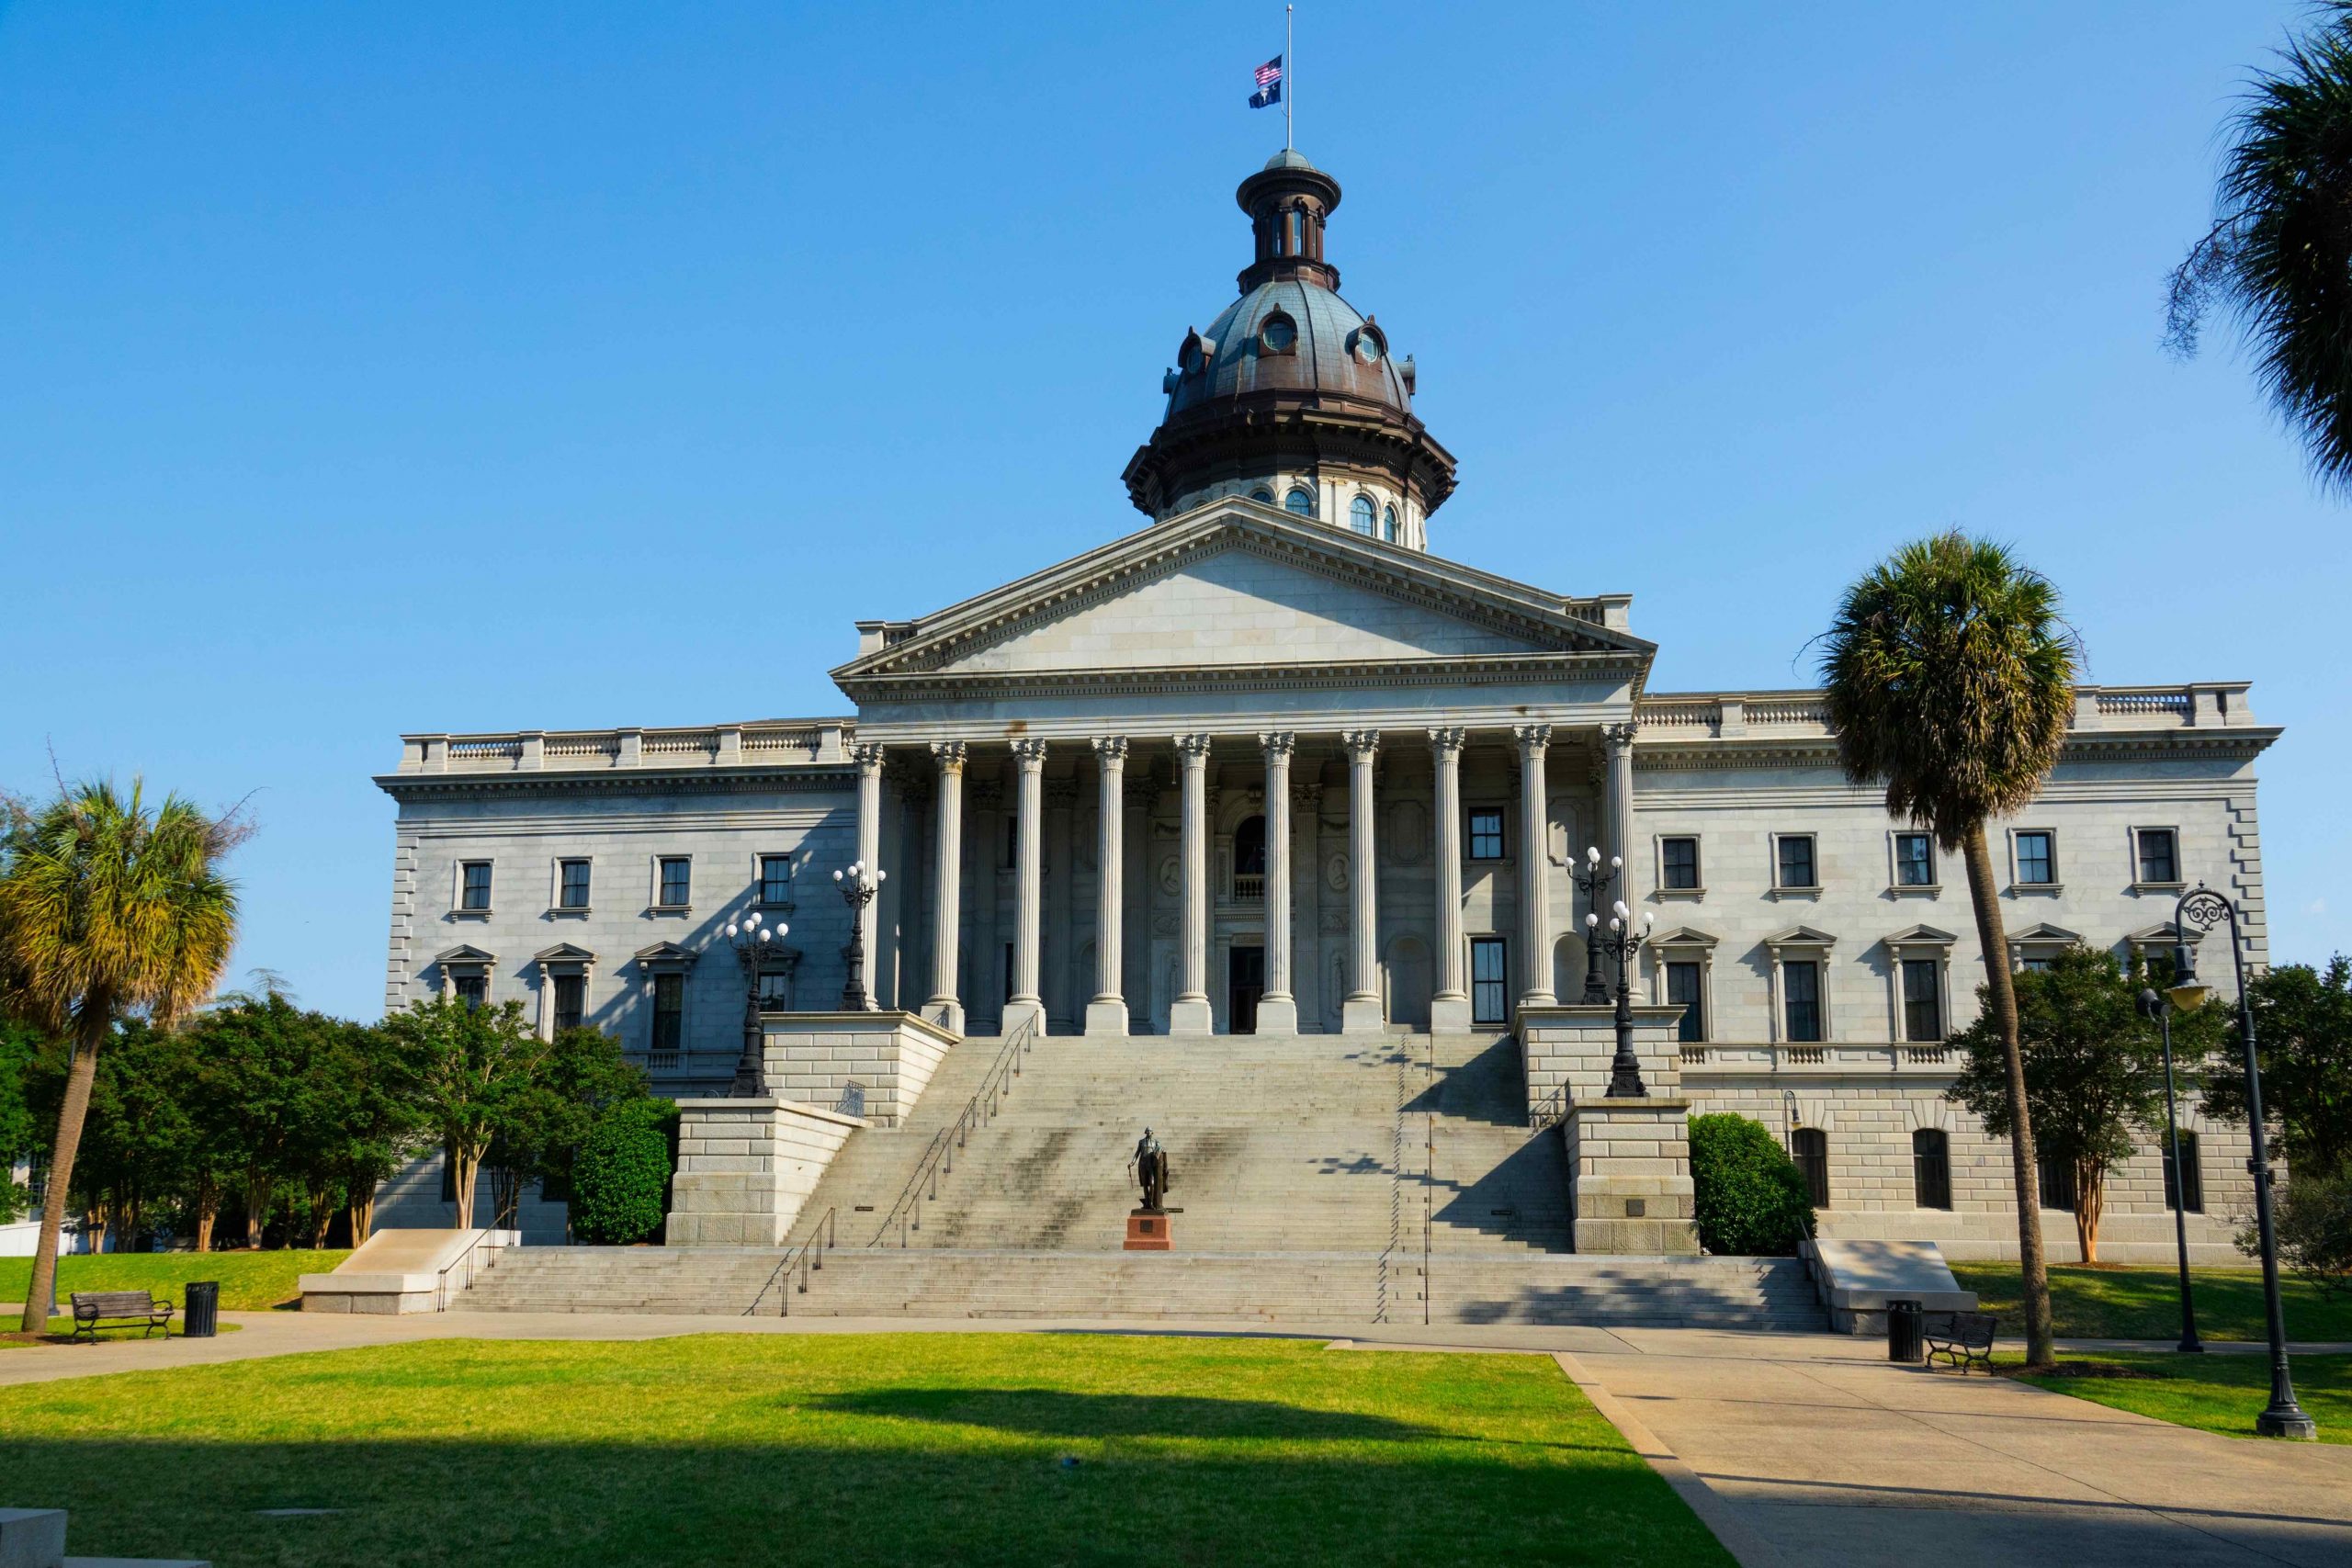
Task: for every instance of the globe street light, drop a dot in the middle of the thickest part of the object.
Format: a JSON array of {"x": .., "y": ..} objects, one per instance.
[
  {"x": 1625, "y": 940},
  {"x": 859, "y": 884},
  {"x": 753, "y": 939},
  {"x": 2155, "y": 1008},
  {"x": 1594, "y": 881},
  {"x": 2200, "y": 910}
]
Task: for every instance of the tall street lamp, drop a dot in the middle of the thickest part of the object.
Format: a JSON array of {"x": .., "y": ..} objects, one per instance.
[
  {"x": 751, "y": 938},
  {"x": 2153, "y": 1008},
  {"x": 859, "y": 884},
  {"x": 1625, "y": 940},
  {"x": 2200, "y": 909},
  {"x": 1594, "y": 881}
]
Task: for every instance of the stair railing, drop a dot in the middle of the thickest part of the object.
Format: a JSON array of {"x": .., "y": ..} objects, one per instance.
[
  {"x": 808, "y": 1257},
  {"x": 1552, "y": 1110},
  {"x": 939, "y": 1154}
]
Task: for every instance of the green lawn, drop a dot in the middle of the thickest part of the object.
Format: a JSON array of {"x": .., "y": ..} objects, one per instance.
[
  {"x": 2136, "y": 1303},
  {"x": 917, "y": 1448},
  {"x": 2219, "y": 1392},
  {"x": 250, "y": 1281}
]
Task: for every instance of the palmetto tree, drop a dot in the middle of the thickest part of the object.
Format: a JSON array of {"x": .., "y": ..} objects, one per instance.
[
  {"x": 2279, "y": 258},
  {"x": 1950, "y": 679},
  {"x": 106, "y": 908}
]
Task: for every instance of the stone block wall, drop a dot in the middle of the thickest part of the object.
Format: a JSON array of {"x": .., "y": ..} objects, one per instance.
[
  {"x": 813, "y": 1058},
  {"x": 745, "y": 1166},
  {"x": 1575, "y": 1045},
  {"x": 1628, "y": 1176}
]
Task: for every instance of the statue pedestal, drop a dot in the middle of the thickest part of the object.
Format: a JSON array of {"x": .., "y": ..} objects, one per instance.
[{"x": 1146, "y": 1231}]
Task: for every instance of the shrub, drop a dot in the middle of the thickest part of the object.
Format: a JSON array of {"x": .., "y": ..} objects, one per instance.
[
  {"x": 2314, "y": 1221},
  {"x": 620, "y": 1178},
  {"x": 1750, "y": 1198}
]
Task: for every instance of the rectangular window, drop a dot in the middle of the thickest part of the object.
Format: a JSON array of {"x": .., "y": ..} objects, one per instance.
[
  {"x": 669, "y": 1016},
  {"x": 2057, "y": 1185},
  {"x": 2159, "y": 855},
  {"x": 1682, "y": 991},
  {"x": 1801, "y": 983},
  {"x": 1923, "y": 1003},
  {"x": 571, "y": 1001},
  {"x": 1679, "y": 861},
  {"x": 1915, "y": 861},
  {"x": 676, "y": 881},
  {"x": 1811, "y": 1145},
  {"x": 473, "y": 888},
  {"x": 1930, "y": 1168},
  {"x": 573, "y": 893},
  {"x": 1486, "y": 834},
  {"x": 1488, "y": 1002},
  {"x": 1795, "y": 862},
  {"x": 2187, "y": 1196},
  {"x": 776, "y": 879},
  {"x": 472, "y": 989},
  {"x": 776, "y": 992},
  {"x": 2036, "y": 964},
  {"x": 2037, "y": 859}
]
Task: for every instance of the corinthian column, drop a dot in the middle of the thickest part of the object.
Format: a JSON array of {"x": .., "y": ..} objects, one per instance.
[
  {"x": 1449, "y": 1003},
  {"x": 1026, "y": 1002},
  {"x": 868, "y": 756},
  {"x": 1278, "y": 1009},
  {"x": 1190, "y": 1013},
  {"x": 1362, "y": 1012},
  {"x": 1619, "y": 740},
  {"x": 1534, "y": 861},
  {"x": 1107, "y": 1013},
  {"x": 945, "y": 1008}
]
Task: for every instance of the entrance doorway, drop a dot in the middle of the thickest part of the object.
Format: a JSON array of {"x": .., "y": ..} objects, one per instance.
[{"x": 1246, "y": 984}]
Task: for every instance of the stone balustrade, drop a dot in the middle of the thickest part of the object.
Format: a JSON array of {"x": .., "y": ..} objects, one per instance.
[
  {"x": 1679, "y": 716},
  {"x": 770, "y": 743}
]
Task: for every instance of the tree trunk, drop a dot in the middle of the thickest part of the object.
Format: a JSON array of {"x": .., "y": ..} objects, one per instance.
[
  {"x": 97, "y": 1013},
  {"x": 259, "y": 1195},
  {"x": 363, "y": 1216},
  {"x": 1995, "y": 940},
  {"x": 2090, "y": 1201},
  {"x": 207, "y": 1209},
  {"x": 467, "y": 1163}
]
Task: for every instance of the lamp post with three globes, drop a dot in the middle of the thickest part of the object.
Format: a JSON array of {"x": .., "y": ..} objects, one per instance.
[
  {"x": 859, "y": 884},
  {"x": 751, "y": 938}
]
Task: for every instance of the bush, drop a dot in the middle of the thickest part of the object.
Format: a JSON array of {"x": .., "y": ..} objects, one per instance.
[
  {"x": 1750, "y": 1198},
  {"x": 620, "y": 1178},
  {"x": 2315, "y": 1220}
]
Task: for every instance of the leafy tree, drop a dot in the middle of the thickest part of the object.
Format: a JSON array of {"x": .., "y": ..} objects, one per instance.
[
  {"x": 2315, "y": 1231},
  {"x": 107, "y": 907},
  {"x": 542, "y": 1122},
  {"x": 264, "y": 1086},
  {"x": 2093, "y": 1070},
  {"x": 1748, "y": 1196},
  {"x": 1949, "y": 677},
  {"x": 2303, "y": 1032},
  {"x": 365, "y": 1123},
  {"x": 461, "y": 1066},
  {"x": 620, "y": 1179},
  {"x": 19, "y": 1137},
  {"x": 2278, "y": 257}
]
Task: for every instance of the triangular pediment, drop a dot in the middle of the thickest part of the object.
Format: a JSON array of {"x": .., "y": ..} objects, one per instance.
[
  {"x": 1922, "y": 936},
  {"x": 2041, "y": 933},
  {"x": 1683, "y": 936},
  {"x": 563, "y": 953},
  {"x": 1235, "y": 587},
  {"x": 2162, "y": 934},
  {"x": 1801, "y": 936},
  {"x": 465, "y": 955},
  {"x": 666, "y": 955}
]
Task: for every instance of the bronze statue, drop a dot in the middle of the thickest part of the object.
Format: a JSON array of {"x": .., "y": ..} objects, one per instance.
[{"x": 1150, "y": 1166}]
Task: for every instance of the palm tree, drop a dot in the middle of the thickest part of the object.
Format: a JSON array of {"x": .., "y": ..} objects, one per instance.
[
  {"x": 106, "y": 908},
  {"x": 1950, "y": 679},
  {"x": 2279, "y": 258}
]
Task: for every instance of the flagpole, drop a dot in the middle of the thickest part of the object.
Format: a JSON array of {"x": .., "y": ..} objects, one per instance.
[{"x": 1290, "y": 70}]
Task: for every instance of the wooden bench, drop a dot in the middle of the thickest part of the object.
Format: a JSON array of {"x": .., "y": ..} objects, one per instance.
[
  {"x": 1963, "y": 1338},
  {"x": 93, "y": 1307}
]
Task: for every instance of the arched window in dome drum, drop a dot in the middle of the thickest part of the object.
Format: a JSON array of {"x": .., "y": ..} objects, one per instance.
[
  {"x": 1360, "y": 514},
  {"x": 1262, "y": 493},
  {"x": 1297, "y": 230},
  {"x": 1301, "y": 500},
  {"x": 1388, "y": 524}
]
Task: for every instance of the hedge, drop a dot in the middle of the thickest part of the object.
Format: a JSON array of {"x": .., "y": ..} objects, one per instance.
[
  {"x": 1750, "y": 1198},
  {"x": 620, "y": 1178}
]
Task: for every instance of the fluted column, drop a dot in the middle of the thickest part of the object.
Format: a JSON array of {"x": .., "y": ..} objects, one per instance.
[
  {"x": 1190, "y": 1013},
  {"x": 1107, "y": 1013},
  {"x": 945, "y": 1008},
  {"x": 1534, "y": 865},
  {"x": 1026, "y": 1002},
  {"x": 1619, "y": 740},
  {"x": 1449, "y": 1003},
  {"x": 1278, "y": 1009},
  {"x": 1362, "y": 1012},
  {"x": 868, "y": 756}
]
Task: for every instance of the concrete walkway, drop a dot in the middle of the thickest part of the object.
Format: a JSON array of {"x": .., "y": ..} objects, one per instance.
[{"x": 1805, "y": 1448}]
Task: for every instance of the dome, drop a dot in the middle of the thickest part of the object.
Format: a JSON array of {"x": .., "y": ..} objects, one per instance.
[
  {"x": 1288, "y": 158},
  {"x": 1289, "y": 336}
]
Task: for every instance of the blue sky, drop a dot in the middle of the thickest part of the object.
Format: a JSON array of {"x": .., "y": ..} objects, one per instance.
[{"x": 367, "y": 369}]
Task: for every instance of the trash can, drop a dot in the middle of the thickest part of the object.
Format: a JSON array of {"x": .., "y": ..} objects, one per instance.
[
  {"x": 1906, "y": 1326},
  {"x": 202, "y": 1318}
]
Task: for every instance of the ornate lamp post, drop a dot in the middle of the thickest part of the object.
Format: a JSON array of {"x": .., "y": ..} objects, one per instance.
[
  {"x": 2200, "y": 910},
  {"x": 750, "y": 938},
  {"x": 1595, "y": 882},
  {"x": 859, "y": 884},
  {"x": 1625, "y": 940},
  {"x": 2153, "y": 1008}
]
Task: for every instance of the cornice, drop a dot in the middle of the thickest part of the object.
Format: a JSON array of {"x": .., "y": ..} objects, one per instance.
[
  {"x": 2239, "y": 745},
  {"x": 1450, "y": 670}
]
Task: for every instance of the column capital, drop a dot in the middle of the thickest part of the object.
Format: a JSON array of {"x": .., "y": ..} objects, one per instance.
[
  {"x": 1532, "y": 737},
  {"x": 1111, "y": 750},
  {"x": 1448, "y": 738},
  {"x": 1277, "y": 743},
  {"x": 950, "y": 754},
  {"x": 1030, "y": 752},
  {"x": 868, "y": 756},
  {"x": 1194, "y": 749},
  {"x": 1060, "y": 793},
  {"x": 1361, "y": 744},
  {"x": 988, "y": 794},
  {"x": 1308, "y": 795},
  {"x": 1619, "y": 737}
]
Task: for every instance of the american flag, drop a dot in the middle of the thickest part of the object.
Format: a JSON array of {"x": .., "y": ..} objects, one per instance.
[{"x": 1270, "y": 84}]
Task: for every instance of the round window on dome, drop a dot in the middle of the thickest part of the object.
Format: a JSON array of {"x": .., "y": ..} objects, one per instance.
[
  {"x": 1300, "y": 501},
  {"x": 1369, "y": 345},
  {"x": 1279, "y": 335}
]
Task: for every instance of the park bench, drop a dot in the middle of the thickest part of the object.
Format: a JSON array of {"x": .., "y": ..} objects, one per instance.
[
  {"x": 93, "y": 1307},
  {"x": 1963, "y": 1338}
]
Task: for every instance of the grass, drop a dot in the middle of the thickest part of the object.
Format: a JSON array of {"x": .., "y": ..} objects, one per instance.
[
  {"x": 973, "y": 1449},
  {"x": 2215, "y": 1393},
  {"x": 250, "y": 1281},
  {"x": 2115, "y": 1302}
]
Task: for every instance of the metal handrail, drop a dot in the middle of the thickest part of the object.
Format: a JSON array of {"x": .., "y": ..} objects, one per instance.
[
  {"x": 1551, "y": 1111},
  {"x": 939, "y": 1154},
  {"x": 808, "y": 1257},
  {"x": 441, "y": 1281}
]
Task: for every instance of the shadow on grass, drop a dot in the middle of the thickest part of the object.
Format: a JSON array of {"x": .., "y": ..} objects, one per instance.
[{"x": 1055, "y": 1412}]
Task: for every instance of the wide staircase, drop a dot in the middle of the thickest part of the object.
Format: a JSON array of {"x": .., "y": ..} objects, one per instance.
[{"x": 1314, "y": 1179}]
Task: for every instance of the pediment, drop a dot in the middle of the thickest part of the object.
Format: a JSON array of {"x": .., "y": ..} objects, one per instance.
[
  {"x": 2163, "y": 933},
  {"x": 466, "y": 954},
  {"x": 666, "y": 955},
  {"x": 1922, "y": 936},
  {"x": 2041, "y": 933},
  {"x": 1683, "y": 936},
  {"x": 1801, "y": 936},
  {"x": 1239, "y": 588},
  {"x": 563, "y": 953}
]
